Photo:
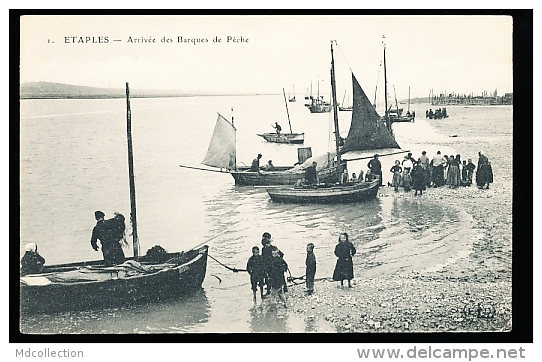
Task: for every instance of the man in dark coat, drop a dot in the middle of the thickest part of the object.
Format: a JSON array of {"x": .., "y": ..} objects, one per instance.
[
  {"x": 109, "y": 232},
  {"x": 311, "y": 175},
  {"x": 376, "y": 167},
  {"x": 255, "y": 167},
  {"x": 484, "y": 173}
]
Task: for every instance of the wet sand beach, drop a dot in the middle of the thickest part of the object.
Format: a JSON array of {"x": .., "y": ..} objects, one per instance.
[{"x": 469, "y": 288}]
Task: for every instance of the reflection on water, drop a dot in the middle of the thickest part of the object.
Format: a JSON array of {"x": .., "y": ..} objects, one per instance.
[{"x": 176, "y": 315}]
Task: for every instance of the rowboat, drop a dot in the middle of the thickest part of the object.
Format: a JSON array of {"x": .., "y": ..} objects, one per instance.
[{"x": 326, "y": 193}]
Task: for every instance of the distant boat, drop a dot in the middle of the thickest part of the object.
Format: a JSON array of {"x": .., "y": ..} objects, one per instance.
[
  {"x": 92, "y": 285},
  {"x": 317, "y": 104},
  {"x": 279, "y": 137},
  {"x": 367, "y": 135},
  {"x": 291, "y": 99},
  {"x": 344, "y": 107}
]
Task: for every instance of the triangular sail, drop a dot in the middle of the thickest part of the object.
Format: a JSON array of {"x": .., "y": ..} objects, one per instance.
[
  {"x": 367, "y": 130},
  {"x": 221, "y": 152}
]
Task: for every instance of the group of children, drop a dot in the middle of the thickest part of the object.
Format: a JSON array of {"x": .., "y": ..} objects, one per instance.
[{"x": 268, "y": 269}]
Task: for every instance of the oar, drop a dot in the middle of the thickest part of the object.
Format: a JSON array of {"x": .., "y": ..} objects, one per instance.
[
  {"x": 217, "y": 235},
  {"x": 203, "y": 169}
]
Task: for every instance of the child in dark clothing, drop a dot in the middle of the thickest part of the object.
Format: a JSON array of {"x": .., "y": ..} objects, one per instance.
[
  {"x": 276, "y": 274},
  {"x": 255, "y": 268},
  {"x": 310, "y": 270}
]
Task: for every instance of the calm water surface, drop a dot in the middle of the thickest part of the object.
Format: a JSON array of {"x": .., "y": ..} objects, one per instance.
[{"x": 74, "y": 161}]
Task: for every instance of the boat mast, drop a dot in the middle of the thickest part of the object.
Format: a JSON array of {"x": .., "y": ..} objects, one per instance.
[
  {"x": 335, "y": 110},
  {"x": 386, "y": 87},
  {"x": 133, "y": 217},
  {"x": 408, "y": 110},
  {"x": 287, "y": 112}
]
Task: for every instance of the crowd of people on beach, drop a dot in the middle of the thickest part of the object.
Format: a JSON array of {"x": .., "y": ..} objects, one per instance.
[
  {"x": 267, "y": 269},
  {"x": 423, "y": 173},
  {"x": 438, "y": 114}
]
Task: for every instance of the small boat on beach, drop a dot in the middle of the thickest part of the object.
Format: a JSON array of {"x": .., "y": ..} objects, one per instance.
[
  {"x": 158, "y": 275},
  {"x": 279, "y": 137},
  {"x": 368, "y": 135}
]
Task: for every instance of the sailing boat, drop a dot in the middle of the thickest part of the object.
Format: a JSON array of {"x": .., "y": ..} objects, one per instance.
[
  {"x": 291, "y": 99},
  {"x": 221, "y": 155},
  {"x": 318, "y": 105},
  {"x": 367, "y": 134},
  {"x": 290, "y": 138},
  {"x": 343, "y": 107},
  {"x": 90, "y": 284},
  {"x": 397, "y": 116}
]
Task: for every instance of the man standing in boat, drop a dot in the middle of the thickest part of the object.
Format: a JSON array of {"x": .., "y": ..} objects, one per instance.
[
  {"x": 256, "y": 163},
  {"x": 311, "y": 175},
  {"x": 277, "y": 127},
  {"x": 110, "y": 233},
  {"x": 376, "y": 167}
]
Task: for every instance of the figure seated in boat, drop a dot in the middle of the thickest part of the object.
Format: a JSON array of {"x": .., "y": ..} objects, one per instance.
[
  {"x": 300, "y": 183},
  {"x": 354, "y": 178},
  {"x": 270, "y": 166},
  {"x": 255, "y": 167},
  {"x": 369, "y": 176},
  {"x": 110, "y": 233},
  {"x": 32, "y": 262}
]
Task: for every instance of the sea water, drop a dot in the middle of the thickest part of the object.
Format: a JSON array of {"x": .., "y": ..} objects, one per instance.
[{"x": 73, "y": 161}]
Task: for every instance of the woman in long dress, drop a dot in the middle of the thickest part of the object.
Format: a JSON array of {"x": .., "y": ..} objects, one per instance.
[
  {"x": 418, "y": 179},
  {"x": 453, "y": 180},
  {"x": 484, "y": 172},
  {"x": 344, "y": 269}
]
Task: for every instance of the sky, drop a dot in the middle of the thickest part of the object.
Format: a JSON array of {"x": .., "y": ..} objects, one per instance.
[{"x": 462, "y": 54}]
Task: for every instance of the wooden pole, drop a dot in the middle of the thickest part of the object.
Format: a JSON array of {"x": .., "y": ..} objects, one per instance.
[
  {"x": 335, "y": 112},
  {"x": 388, "y": 125},
  {"x": 287, "y": 112},
  {"x": 133, "y": 216}
]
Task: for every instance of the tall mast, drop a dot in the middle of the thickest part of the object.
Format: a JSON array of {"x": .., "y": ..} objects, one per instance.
[
  {"x": 287, "y": 112},
  {"x": 386, "y": 88},
  {"x": 408, "y": 99},
  {"x": 335, "y": 109},
  {"x": 133, "y": 217}
]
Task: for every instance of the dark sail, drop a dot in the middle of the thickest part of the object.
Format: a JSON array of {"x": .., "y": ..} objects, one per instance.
[{"x": 367, "y": 130}]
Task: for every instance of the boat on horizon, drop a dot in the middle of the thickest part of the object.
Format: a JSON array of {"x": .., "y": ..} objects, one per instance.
[{"x": 158, "y": 275}]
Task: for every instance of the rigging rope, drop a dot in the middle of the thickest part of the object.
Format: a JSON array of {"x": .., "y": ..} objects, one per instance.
[{"x": 235, "y": 270}]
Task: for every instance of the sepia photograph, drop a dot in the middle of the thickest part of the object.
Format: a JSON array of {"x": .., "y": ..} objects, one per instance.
[{"x": 202, "y": 174}]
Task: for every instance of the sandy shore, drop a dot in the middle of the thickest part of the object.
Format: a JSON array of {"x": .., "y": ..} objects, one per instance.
[{"x": 472, "y": 292}]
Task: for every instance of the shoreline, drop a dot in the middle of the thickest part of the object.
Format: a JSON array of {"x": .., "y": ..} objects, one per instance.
[{"x": 467, "y": 293}]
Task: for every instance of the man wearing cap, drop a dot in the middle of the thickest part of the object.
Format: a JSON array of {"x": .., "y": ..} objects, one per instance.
[
  {"x": 376, "y": 167},
  {"x": 107, "y": 231},
  {"x": 256, "y": 163},
  {"x": 32, "y": 262}
]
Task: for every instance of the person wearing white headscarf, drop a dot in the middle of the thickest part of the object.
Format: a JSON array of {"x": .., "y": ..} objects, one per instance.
[{"x": 32, "y": 262}]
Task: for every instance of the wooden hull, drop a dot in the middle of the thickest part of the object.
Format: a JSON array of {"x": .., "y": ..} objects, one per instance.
[
  {"x": 104, "y": 287},
  {"x": 280, "y": 177},
  {"x": 320, "y": 108},
  {"x": 345, "y": 109},
  {"x": 354, "y": 192},
  {"x": 402, "y": 119},
  {"x": 289, "y": 138}
]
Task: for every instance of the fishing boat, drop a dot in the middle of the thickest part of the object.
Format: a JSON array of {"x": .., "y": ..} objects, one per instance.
[
  {"x": 288, "y": 138},
  {"x": 221, "y": 157},
  {"x": 343, "y": 107},
  {"x": 368, "y": 135},
  {"x": 317, "y": 104},
  {"x": 158, "y": 275},
  {"x": 291, "y": 99}
]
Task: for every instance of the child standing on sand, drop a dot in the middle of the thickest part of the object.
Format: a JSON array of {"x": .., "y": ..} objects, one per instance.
[
  {"x": 310, "y": 270},
  {"x": 256, "y": 270},
  {"x": 276, "y": 272}
]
